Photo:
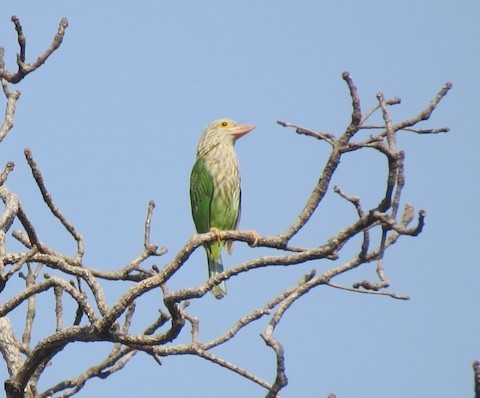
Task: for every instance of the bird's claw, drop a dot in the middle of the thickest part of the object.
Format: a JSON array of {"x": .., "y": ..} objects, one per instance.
[
  {"x": 216, "y": 231},
  {"x": 255, "y": 237}
]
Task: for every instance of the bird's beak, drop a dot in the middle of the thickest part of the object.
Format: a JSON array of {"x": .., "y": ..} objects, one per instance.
[{"x": 243, "y": 129}]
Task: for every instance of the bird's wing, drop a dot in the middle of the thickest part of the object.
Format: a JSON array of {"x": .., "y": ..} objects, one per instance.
[
  {"x": 237, "y": 221},
  {"x": 229, "y": 244},
  {"x": 201, "y": 194}
]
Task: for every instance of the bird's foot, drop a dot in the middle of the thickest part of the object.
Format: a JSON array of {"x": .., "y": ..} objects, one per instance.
[
  {"x": 255, "y": 237},
  {"x": 216, "y": 231}
]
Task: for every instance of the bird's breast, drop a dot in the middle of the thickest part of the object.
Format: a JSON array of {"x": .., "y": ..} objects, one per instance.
[{"x": 223, "y": 166}]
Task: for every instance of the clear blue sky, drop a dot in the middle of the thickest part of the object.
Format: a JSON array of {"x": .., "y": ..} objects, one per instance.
[{"x": 113, "y": 120}]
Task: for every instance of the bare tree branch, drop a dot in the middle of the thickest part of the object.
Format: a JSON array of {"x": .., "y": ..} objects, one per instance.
[
  {"x": 427, "y": 112},
  {"x": 37, "y": 175},
  {"x": 4, "y": 174},
  {"x": 476, "y": 373},
  {"x": 12, "y": 98},
  {"x": 9, "y": 346},
  {"x": 23, "y": 68}
]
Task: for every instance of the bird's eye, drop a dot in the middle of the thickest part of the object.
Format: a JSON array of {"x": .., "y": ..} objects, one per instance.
[{"x": 224, "y": 124}]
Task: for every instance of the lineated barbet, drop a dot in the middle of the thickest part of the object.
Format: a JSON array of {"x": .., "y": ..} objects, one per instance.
[{"x": 215, "y": 192}]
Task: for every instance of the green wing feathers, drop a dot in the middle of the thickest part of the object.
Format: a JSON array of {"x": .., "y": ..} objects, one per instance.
[{"x": 201, "y": 195}]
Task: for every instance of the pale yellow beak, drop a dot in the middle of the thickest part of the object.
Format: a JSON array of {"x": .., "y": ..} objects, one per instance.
[{"x": 243, "y": 129}]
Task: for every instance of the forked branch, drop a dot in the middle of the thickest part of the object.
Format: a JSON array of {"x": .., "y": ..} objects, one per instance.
[{"x": 24, "y": 68}]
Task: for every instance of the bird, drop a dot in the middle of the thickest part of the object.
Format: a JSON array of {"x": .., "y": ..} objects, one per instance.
[{"x": 215, "y": 192}]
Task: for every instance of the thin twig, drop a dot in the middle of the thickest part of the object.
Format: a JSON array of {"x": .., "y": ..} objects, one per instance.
[
  {"x": 19, "y": 264},
  {"x": 151, "y": 248},
  {"x": 22, "y": 40},
  {"x": 391, "y": 139},
  {"x": 31, "y": 310},
  {"x": 39, "y": 287},
  {"x": 393, "y": 101},
  {"x": 370, "y": 291},
  {"x": 356, "y": 113},
  {"x": 29, "y": 228},
  {"x": 79, "y": 312},
  {"x": 37, "y": 175},
  {"x": 409, "y": 129},
  {"x": 128, "y": 318},
  {"x": 58, "y": 293},
  {"x": 355, "y": 200},
  {"x": 113, "y": 363},
  {"x": 4, "y": 174},
  {"x": 427, "y": 112},
  {"x": 400, "y": 183},
  {"x": 234, "y": 368},
  {"x": 328, "y": 137},
  {"x": 12, "y": 98}
]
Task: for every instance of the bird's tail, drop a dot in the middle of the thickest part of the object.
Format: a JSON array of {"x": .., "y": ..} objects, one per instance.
[{"x": 215, "y": 266}]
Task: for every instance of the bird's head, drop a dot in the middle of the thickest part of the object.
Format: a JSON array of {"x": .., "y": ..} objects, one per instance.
[{"x": 222, "y": 132}]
